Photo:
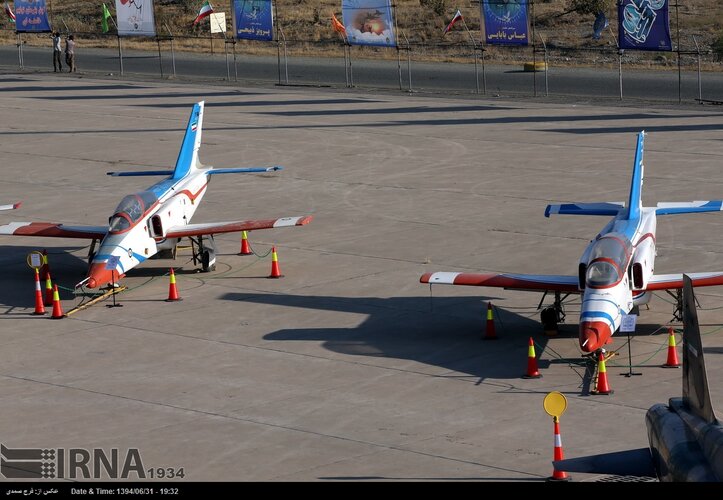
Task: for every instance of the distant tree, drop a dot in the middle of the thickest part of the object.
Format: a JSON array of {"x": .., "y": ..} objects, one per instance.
[
  {"x": 718, "y": 47},
  {"x": 591, "y": 6},
  {"x": 438, "y": 6}
]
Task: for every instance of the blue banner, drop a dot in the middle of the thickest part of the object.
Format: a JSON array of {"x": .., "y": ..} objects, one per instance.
[
  {"x": 253, "y": 19},
  {"x": 644, "y": 25},
  {"x": 369, "y": 22},
  {"x": 505, "y": 21},
  {"x": 31, "y": 16}
]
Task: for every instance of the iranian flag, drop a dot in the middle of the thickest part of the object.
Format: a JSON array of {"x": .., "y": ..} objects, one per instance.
[
  {"x": 9, "y": 12},
  {"x": 206, "y": 10}
]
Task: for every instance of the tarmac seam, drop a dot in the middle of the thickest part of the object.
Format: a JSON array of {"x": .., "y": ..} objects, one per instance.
[{"x": 267, "y": 424}]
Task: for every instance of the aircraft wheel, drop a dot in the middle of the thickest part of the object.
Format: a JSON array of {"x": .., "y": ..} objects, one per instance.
[
  {"x": 208, "y": 261},
  {"x": 548, "y": 318}
]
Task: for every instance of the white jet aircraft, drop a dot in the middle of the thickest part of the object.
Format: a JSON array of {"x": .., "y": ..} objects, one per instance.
[
  {"x": 615, "y": 273},
  {"x": 152, "y": 222}
]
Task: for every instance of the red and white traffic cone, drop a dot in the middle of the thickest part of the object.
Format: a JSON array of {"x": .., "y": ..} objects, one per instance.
[
  {"x": 672, "y": 361},
  {"x": 490, "y": 333},
  {"x": 245, "y": 248},
  {"x": 275, "y": 272},
  {"x": 39, "y": 307},
  {"x": 558, "y": 475},
  {"x": 602, "y": 378},
  {"x": 57, "y": 310},
  {"x": 532, "y": 371},
  {"x": 172, "y": 290},
  {"x": 48, "y": 290}
]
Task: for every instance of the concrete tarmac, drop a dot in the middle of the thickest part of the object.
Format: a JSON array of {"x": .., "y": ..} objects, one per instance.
[{"x": 347, "y": 368}]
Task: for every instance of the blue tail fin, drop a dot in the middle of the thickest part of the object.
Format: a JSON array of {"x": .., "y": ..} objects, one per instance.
[
  {"x": 635, "y": 202},
  {"x": 188, "y": 155}
]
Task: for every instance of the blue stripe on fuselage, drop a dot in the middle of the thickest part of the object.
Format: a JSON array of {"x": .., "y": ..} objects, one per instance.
[{"x": 597, "y": 314}]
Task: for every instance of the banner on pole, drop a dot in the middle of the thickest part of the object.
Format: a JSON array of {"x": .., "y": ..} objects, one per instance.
[
  {"x": 253, "y": 19},
  {"x": 135, "y": 17},
  {"x": 644, "y": 25},
  {"x": 218, "y": 22},
  {"x": 31, "y": 16},
  {"x": 505, "y": 22},
  {"x": 369, "y": 22}
]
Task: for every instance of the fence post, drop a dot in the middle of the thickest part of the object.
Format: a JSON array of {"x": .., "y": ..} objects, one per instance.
[{"x": 697, "y": 49}]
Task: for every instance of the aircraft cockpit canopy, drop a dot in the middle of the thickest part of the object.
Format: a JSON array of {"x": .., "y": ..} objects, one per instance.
[
  {"x": 130, "y": 210},
  {"x": 608, "y": 260}
]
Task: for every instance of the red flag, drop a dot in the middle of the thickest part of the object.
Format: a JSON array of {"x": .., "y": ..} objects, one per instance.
[
  {"x": 9, "y": 12},
  {"x": 456, "y": 18},
  {"x": 338, "y": 27}
]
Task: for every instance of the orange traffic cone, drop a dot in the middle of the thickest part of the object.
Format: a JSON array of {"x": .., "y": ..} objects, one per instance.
[
  {"x": 172, "y": 290},
  {"x": 48, "y": 290},
  {"x": 672, "y": 361},
  {"x": 602, "y": 378},
  {"x": 245, "y": 248},
  {"x": 490, "y": 330},
  {"x": 57, "y": 310},
  {"x": 275, "y": 272},
  {"x": 39, "y": 307},
  {"x": 558, "y": 475},
  {"x": 532, "y": 371}
]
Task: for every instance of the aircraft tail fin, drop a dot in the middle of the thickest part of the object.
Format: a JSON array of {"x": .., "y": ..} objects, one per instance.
[
  {"x": 695, "y": 382},
  {"x": 188, "y": 155},
  {"x": 635, "y": 203}
]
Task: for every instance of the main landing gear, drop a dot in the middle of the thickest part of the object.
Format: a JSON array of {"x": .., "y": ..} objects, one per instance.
[
  {"x": 551, "y": 316},
  {"x": 204, "y": 252}
]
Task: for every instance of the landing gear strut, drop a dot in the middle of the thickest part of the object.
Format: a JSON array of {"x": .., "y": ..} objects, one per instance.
[
  {"x": 678, "y": 307},
  {"x": 204, "y": 252},
  {"x": 552, "y": 315}
]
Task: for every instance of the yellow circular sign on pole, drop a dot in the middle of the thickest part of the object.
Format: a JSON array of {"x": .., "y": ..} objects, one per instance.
[
  {"x": 35, "y": 259},
  {"x": 555, "y": 404}
]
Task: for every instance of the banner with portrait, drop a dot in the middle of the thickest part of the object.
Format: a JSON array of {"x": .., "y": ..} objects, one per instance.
[
  {"x": 135, "y": 17},
  {"x": 253, "y": 19},
  {"x": 505, "y": 22},
  {"x": 644, "y": 25},
  {"x": 31, "y": 16},
  {"x": 369, "y": 22}
]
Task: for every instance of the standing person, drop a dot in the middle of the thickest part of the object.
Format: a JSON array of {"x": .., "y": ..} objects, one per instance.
[
  {"x": 70, "y": 53},
  {"x": 57, "y": 64}
]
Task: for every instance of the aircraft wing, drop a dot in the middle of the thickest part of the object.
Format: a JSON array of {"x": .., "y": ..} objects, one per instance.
[
  {"x": 54, "y": 230},
  {"x": 675, "y": 281},
  {"x": 235, "y": 226},
  {"x": 511, "y": 281},
  {"x": 12, "y": 206}
]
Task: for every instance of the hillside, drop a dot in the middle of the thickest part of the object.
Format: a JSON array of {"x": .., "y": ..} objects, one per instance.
[{"x": 306, "y": 26}]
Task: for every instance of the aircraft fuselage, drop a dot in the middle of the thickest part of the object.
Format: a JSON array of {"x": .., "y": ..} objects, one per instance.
[
  {"x": 138, "y": 227},
  {"x": 614, "y": 271}
]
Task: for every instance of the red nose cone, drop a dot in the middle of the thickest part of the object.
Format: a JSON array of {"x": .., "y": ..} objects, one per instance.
[
  {"x": 99, "y": 275},
  {"x": 593, "y": 335}
]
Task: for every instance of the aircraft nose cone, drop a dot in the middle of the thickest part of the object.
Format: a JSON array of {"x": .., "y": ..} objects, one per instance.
[
  {"x": 98, "y": 275},
  {"x": 593, "y": 335}
]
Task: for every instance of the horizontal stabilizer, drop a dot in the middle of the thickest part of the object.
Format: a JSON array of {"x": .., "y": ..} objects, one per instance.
[
  {"x": 11, "y": 207},
  {"x": 248, "y": 170},
  {"x": 620, "y": 463},
  {"x": 141, "y": 173},
  {"x": 610, "y": 208},
  {"x": 235, "y": 226},
  {"x": 689, "y": 207},
  {"x": 509, "y": 281}
]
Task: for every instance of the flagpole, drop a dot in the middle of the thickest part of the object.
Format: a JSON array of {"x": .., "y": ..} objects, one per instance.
[
  {"x": 120, "y": 50},
  {"x": 474, "y": 50}
]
